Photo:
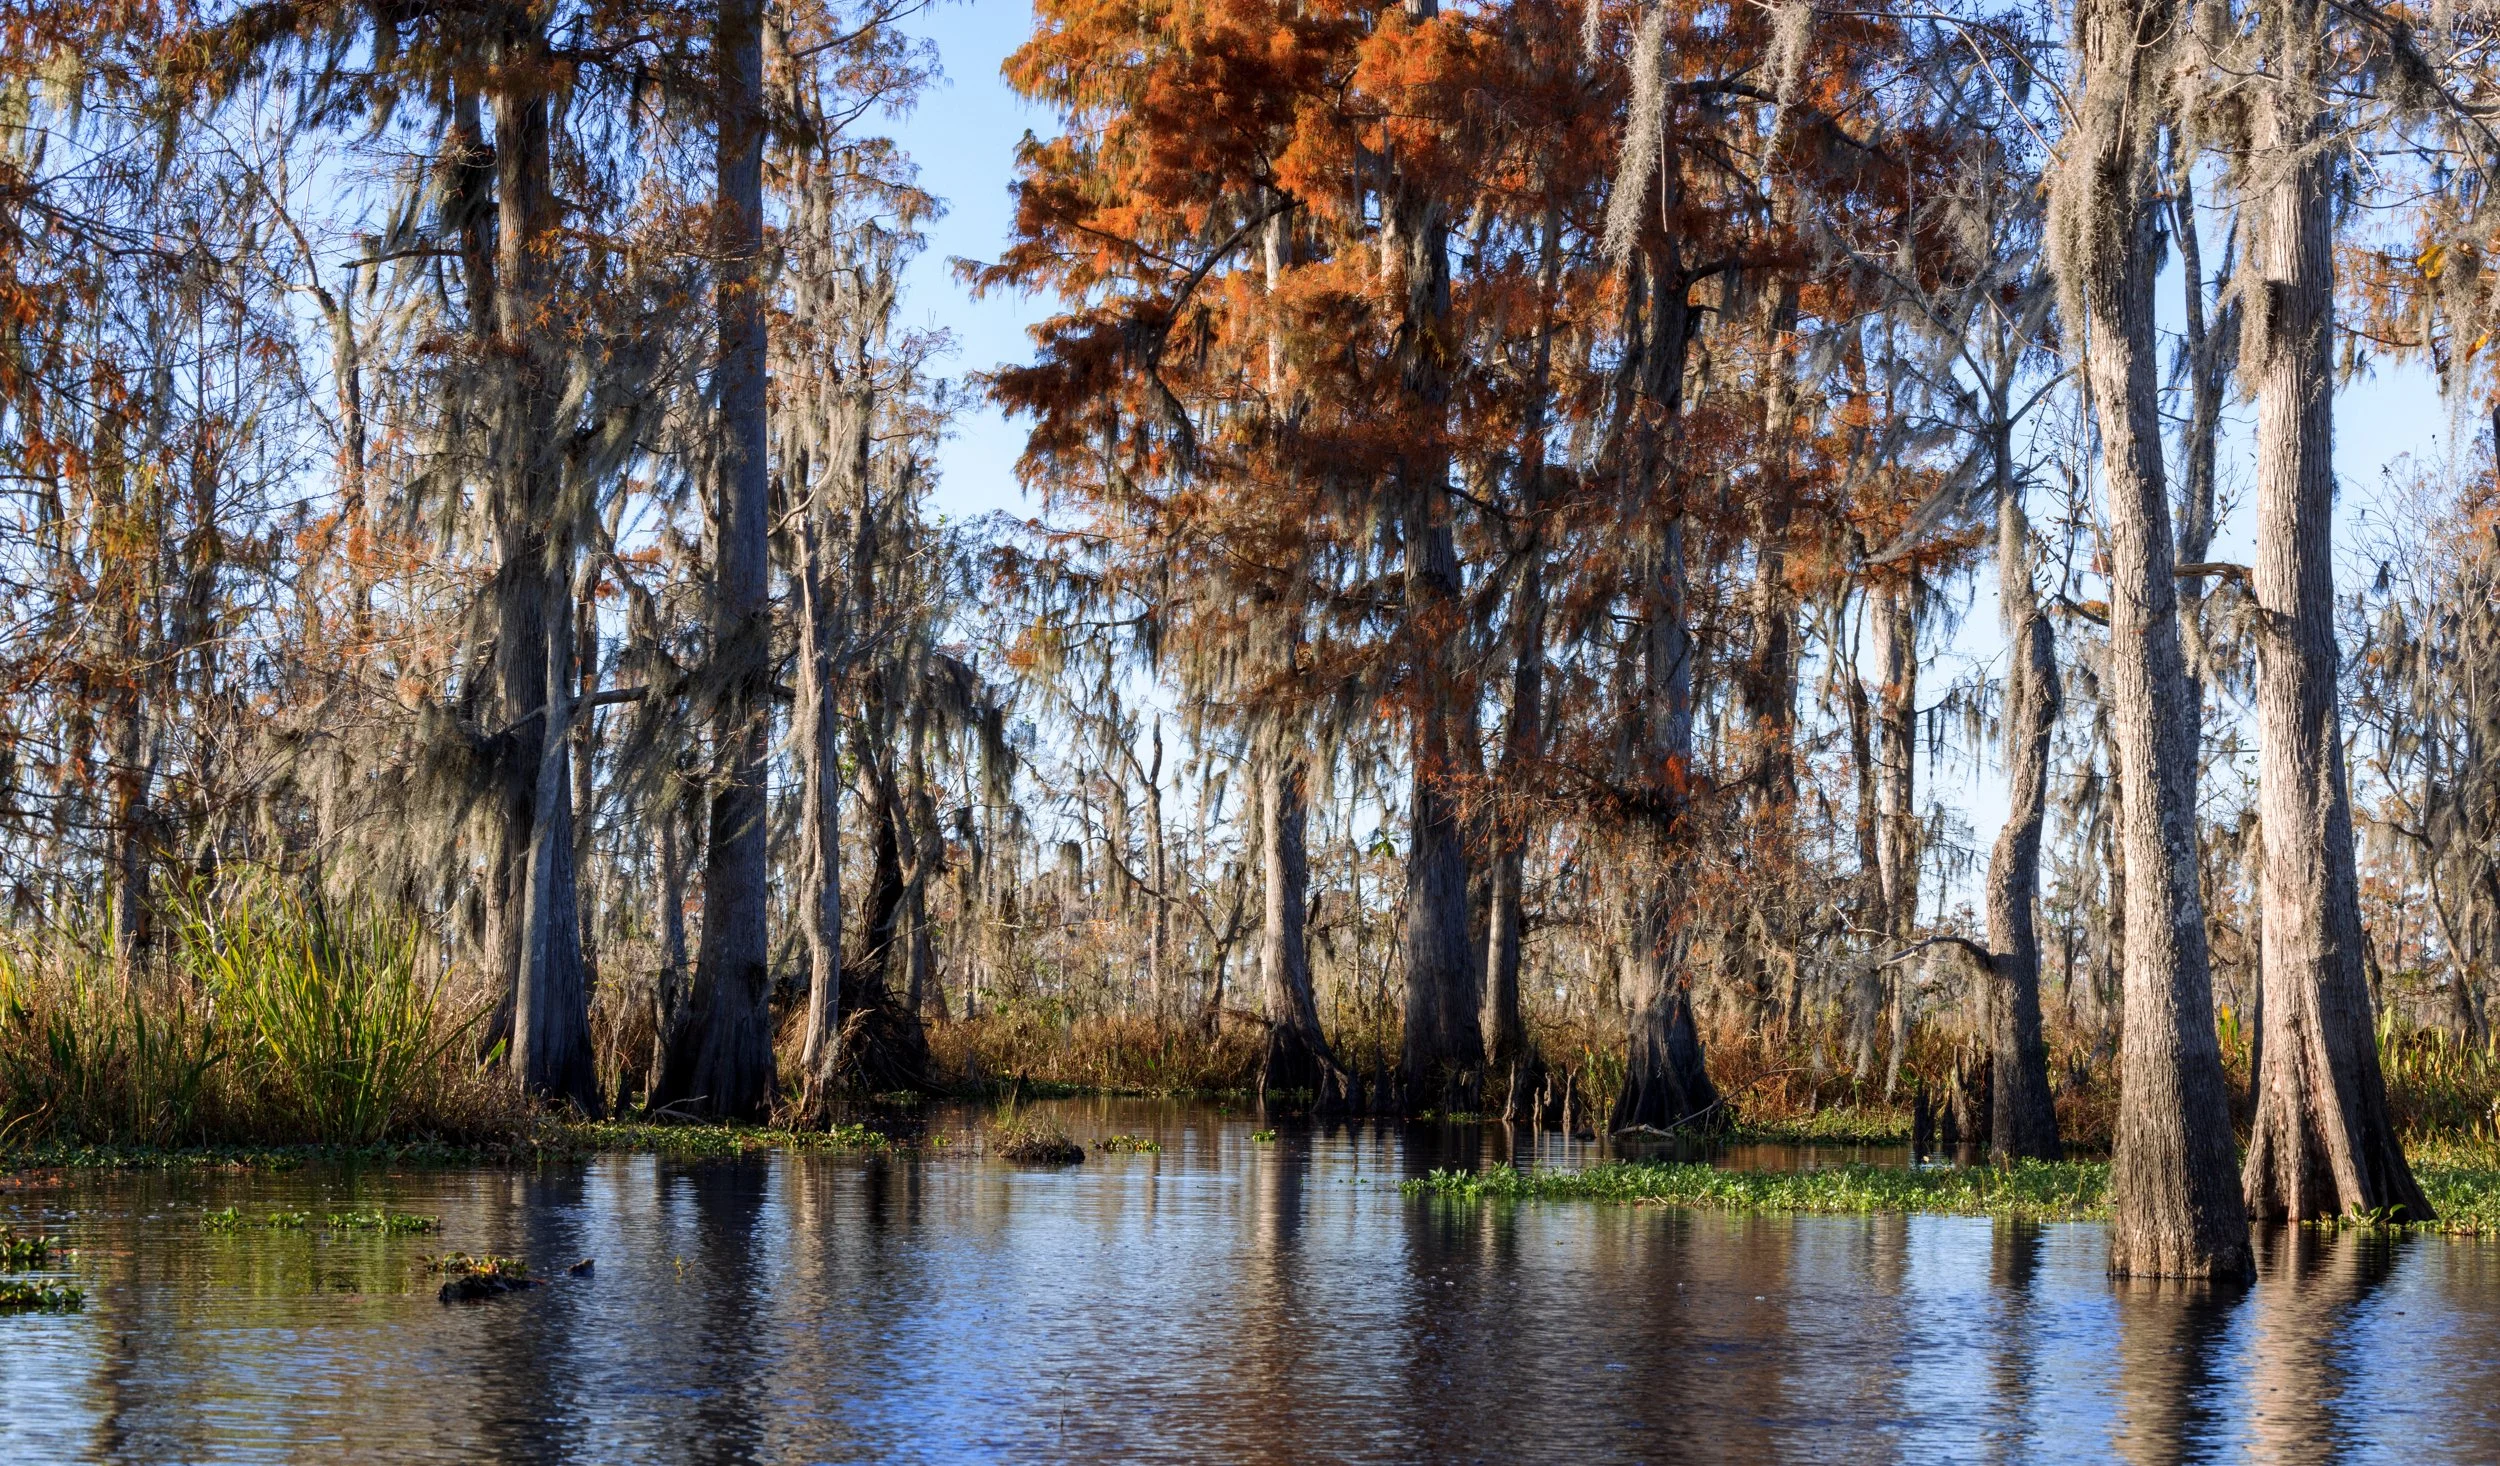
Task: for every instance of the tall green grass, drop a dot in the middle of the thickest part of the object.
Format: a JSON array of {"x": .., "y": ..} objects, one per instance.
[{"x": 267, "y": 1017}]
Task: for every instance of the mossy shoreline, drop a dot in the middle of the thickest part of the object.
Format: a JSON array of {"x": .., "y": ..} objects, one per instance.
[{"x": 2465, "y": 1196}]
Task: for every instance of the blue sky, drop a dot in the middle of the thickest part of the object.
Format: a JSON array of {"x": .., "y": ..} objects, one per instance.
[{"x": 963, "y": 135}]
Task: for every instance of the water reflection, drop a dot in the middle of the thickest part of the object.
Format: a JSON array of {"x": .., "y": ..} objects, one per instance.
[{"x": 1221, "y": 1299}]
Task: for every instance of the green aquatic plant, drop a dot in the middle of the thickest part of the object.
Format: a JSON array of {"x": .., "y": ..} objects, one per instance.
[
  {"x": 224, "y": 1219},
  {"x": 1262, "y": 1137},
  {"x": 288, "y": 1221},
  {"x": 2036, "y": 1189},
  {"x": 381, "y": 1221},
  {"x": 19, "y": 1296},
  {"x": 1131, "y": 1143},
  {"x": 477, "y": 1264},
  {"x": 24, "y": 1249}
]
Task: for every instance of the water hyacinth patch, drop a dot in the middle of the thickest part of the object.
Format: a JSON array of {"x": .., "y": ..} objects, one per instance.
[
  {"x": 20, "y": 1296},
  {"x": 23, "y": 1249}
]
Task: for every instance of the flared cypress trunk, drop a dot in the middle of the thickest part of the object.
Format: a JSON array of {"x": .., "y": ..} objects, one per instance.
[
  {"x": 540, "y": 929},
  {"x": 2024, "y": 1122},
  {"x": 722, "y": 1061},
  {"x": 2177, "y": 1207},
  {"x": 2322, "y": 1143}
]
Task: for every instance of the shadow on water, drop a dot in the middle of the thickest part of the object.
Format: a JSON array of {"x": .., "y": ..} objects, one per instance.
[{"x": 1232, "y": 1295}]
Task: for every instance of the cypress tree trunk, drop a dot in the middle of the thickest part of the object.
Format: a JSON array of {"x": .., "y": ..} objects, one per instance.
[
  {"x": 1297, "y": 1052},
  {"x": 722, "y": 1062},
  {"x": 540, "y": 928},
  {"x": 1523, "y": 737},
  {"x": 2177, "y": 1211},
  {"x": 2321, "y": 1143},
  {"x": 1443, "y": 1056},
  {"x": 1896, "y": 798},
  {"x": 2024, "y": 1122},
  {"x": 820, "y": 814}
]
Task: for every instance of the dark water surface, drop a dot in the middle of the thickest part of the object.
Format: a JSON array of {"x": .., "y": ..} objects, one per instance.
[{"x": 1223, "y": 1300}]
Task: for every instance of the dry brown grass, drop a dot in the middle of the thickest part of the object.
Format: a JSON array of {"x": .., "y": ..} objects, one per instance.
[{"x": 1118, "y": 1055}]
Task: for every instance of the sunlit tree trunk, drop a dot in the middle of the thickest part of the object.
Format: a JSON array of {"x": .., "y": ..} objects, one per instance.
[
  {"x": 2321, "y": 1143},
  {"x": 2177, "y": 1209}
]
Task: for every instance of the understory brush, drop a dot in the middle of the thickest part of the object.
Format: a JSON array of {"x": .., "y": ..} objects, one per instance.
[{"x": 1044, "y": 1049}]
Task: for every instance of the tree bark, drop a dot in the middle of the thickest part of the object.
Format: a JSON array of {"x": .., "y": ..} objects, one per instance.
[
  {"x": 541, "y": 937},
  {"x": 1298, "y": 1056},
  {"x": 2024, "y": 1122},
  {"x": 2177, "y": 1211},
  {"x": 722, "y": 1062},
  {"x": 1523, "y": 736},
  {"x": 1442, "y": 1061},
  {"x": 821, "y": 635},
  {"x": 1896, "y": 798},
  {"x": 2322, "y": 1143}
]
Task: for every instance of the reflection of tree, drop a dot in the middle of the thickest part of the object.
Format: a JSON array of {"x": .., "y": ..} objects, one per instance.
[
  {"x": 2014, "y": 1249},
  {"x": 2171, "y": 1335},
  {"x": 2313, "y": 1282}
]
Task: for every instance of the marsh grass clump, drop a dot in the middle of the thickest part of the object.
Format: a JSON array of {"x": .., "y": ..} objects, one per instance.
[
  {"x": 1030, "y": 1141},
  {"x": 267, "y": 1016},
  {"x": 1134, "y": 1144},
  {"x": 20, "y": 1296}
]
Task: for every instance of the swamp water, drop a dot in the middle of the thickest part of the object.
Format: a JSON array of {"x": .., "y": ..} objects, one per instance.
[{"x": 1223, "y": 1299}]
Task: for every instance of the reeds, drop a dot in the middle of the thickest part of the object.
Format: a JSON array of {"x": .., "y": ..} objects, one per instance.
[{"x": 265, "y": 1018}]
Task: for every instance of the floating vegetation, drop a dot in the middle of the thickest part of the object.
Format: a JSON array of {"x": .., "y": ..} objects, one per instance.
[
  {"x": 2046, "y": 1190},
  {"x": 231, "y": 1219},
  {"x": 382, "y": 1221},
  {"x": 1132, "y": 1143},
  {"x": 1262, "y": 1137},
  {"x": 2466, "y": 1198},
  {"x": 24, "y": 1249},
  {"x": 470, "y": 1277},
  {"x": 701, "y": 1141},
  {"x": 19, "y": 1296}
]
